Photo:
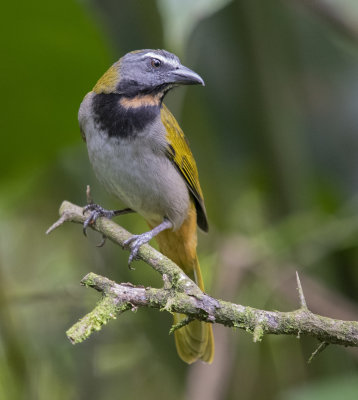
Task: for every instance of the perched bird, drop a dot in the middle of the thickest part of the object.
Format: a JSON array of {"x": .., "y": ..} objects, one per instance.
[{"x": 140, "y": 154}]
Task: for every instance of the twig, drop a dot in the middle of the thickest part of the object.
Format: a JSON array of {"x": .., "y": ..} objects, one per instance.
[
  {"x": 319, "y": 350},
  {"x": 180, "y": 324},
  {"x": 72, "y": 213},
  {"x": 88, "y": 195},
  {"x": 122, "y": 297},
  {"x": 300, "y": 293},
  {"x": 182, "y": 295}
]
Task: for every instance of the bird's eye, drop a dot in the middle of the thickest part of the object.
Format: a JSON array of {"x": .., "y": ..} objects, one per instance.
[{"x": 156, "y": 63}]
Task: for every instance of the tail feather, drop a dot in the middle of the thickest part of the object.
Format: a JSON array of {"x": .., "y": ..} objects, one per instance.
[{"x": 195, "y": 340}]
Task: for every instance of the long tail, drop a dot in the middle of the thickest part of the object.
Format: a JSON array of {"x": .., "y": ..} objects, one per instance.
[{"x": 195, "y": 340}]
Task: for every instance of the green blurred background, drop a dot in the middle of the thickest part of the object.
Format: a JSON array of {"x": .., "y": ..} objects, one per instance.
[{"x": 274, "y": 133}]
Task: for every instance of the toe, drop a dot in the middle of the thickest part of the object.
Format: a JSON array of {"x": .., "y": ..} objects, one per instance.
[
  {"x": 130, "y": 240},
  {"x": 133, "y": 255},
  {"x": 135, "y": 242},
  {"x": 90, "y": 221},
  {"x": 85, "y": 225},
  {"x": 88, "y": 207}
]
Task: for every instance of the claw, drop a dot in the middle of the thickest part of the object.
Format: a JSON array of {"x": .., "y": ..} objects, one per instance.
[
  {"x": 135, "y": 242},
  {"x": 86, "y": 208},
  {"x": 89, "y": 221},
  {"x": 134, "y": 249},
  {"x": 96, "y": 212}
]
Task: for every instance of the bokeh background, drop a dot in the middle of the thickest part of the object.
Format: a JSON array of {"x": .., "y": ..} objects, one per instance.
[{"x": 275, "y": 136}]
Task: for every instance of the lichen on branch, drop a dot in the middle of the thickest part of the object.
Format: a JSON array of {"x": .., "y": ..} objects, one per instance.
[{"x": 181, "y": 294}]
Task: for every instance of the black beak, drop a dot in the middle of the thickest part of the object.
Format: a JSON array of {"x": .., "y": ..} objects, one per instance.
[{"x": 185, "y": 76}]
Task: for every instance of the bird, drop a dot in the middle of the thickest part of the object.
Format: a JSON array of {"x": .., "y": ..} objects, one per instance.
[{"x": 140, "y": 154}]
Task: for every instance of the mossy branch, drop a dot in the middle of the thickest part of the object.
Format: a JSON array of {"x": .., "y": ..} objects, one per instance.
[{"x": 181, "y": 294}]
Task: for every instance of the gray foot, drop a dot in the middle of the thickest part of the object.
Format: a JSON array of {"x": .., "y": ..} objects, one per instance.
[
  {"x": 136, "y": 241},
  {"x": 97, "y": 211}
]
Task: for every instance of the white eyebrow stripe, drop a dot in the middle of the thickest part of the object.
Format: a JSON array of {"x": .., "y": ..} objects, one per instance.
[{"x": 161, "y": 58}]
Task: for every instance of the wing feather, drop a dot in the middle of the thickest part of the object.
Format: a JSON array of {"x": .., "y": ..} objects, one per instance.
[{"x": 179, "y": 152}]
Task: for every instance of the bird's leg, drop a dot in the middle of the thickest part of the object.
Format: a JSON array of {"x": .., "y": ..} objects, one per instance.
[
  {"x": 138, "y": 240},
  {"x": 98, "y": 211}
]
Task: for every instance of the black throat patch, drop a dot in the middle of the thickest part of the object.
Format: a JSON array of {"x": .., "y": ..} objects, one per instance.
[{"x": 119, "y": 120}]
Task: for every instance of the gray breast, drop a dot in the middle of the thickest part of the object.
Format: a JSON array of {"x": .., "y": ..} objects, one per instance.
[{"x": 137, "y": 170}]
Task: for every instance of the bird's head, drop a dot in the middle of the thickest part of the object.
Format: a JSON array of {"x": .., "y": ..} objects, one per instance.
[{"x": 144, "y": 72}]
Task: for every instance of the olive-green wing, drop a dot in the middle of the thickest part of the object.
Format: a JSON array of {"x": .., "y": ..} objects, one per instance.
[{"x": 179, "y": 152}]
